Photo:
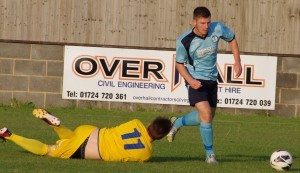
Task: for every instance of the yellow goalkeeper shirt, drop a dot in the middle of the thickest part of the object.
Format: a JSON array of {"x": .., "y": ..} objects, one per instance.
[{"x": 127, "y": 142}]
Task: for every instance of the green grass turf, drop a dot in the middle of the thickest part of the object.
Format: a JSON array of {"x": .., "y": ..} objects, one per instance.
[{"x": 242, "y": 143}]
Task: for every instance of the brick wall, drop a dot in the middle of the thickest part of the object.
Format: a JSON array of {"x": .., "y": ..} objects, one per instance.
[{"x": 34, "y": 73}]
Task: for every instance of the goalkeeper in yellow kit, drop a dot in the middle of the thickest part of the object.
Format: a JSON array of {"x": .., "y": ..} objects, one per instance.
[{"x": 130, "y": 141}]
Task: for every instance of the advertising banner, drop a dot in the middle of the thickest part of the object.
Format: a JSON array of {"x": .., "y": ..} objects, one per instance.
[{"x": 149, "y": 76}]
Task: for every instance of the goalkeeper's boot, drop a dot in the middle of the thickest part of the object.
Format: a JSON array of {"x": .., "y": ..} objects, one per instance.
[
  {"x": 4, "y": 132},
  {"x": 211, "y": 159},
  {"x": 173, "y": 131},
  {"x": 47, "y": 117}
]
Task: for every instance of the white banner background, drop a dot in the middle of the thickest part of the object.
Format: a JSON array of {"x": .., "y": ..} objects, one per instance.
[{"x": 148, "y": 76}]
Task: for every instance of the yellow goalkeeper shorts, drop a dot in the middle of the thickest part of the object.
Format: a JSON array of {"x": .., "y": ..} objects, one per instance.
[{"x": 65, "y": 148}]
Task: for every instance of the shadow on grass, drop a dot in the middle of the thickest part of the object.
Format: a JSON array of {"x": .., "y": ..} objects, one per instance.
[
  {"x": 174, "y": 159},
  {"x": 221, "y": 158},
  {"x": 241, "y": 158},
  {"x": 294, "y": 170}
]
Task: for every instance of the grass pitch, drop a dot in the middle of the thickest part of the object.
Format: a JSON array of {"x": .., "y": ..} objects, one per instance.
[{"x": 243, "y": 144}]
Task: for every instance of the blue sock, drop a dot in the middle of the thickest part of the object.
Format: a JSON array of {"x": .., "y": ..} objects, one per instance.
[
  {"x": 190, "y": 119},
  {"x": 206, "y": 132}
]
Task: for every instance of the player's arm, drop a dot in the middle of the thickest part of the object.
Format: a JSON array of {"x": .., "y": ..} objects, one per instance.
[
  {"x": 229, "y": 36},
  {"x": 181, "y": 58},
  {"x": 236, "y": 54},
  {"x": 195, "y": 84}
]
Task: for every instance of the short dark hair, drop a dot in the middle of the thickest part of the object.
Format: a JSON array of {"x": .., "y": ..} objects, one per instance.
[
  {"x": 201, "y": 12},
  {"x": 159, "y": 127}
]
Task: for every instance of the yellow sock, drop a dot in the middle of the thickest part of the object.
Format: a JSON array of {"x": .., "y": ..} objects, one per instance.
[
  {"x": 63, "y": 132},
  {"x": 31, "y": 145}
]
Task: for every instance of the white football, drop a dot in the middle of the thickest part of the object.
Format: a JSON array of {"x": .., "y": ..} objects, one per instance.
[{"x": 281, "y": 160}]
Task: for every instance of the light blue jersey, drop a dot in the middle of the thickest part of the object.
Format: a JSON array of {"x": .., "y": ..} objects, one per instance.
[{"x": 200, "y": 54}]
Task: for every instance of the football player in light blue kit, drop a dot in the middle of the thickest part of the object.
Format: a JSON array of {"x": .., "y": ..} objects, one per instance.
[{"x": 196, "y": 56}]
